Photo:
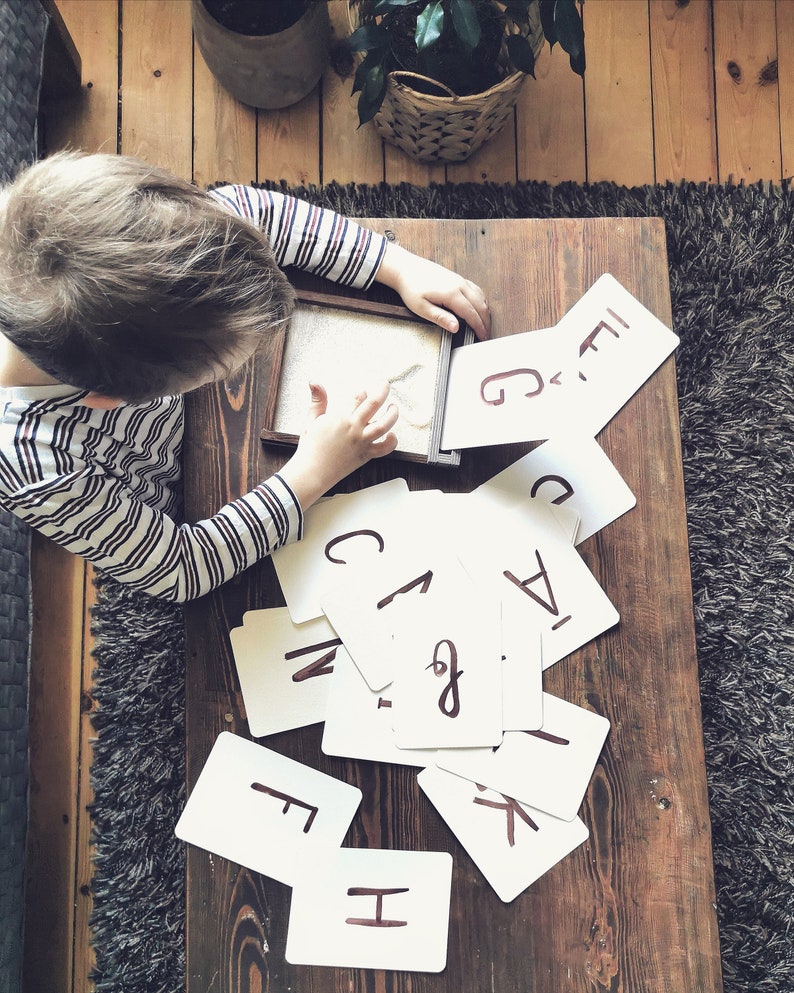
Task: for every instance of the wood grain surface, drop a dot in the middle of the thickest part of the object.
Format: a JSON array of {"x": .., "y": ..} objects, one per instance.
[{"x": 632, "y": 910}]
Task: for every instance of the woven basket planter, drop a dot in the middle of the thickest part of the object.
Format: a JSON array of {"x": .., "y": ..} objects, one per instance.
[{"x": 444, "y": 127}]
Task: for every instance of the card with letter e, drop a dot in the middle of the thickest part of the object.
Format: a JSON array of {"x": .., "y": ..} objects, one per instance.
[
  {"x": 548, "y": 769},
  {"x": 611, "y": 344},
  {"x": 358, "y": 720},
  {"x": 263, "y": 810},
  {"x": 351, "y": 531},
  {"x": 511, "y": 843},
  {"x": 284, "y": 669},
  {"x": 372, "y": 909}
]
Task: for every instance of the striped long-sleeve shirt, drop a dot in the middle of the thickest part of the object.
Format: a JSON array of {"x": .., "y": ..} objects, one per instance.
[{"x": 105, "y": 483}]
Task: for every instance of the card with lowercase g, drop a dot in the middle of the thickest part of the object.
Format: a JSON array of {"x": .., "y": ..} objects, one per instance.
[
  {"x": 358, "y": 720},
  {"x": 372, "y": 909},
  {"x": 284, "y": 669},
  {"x": 265, "y": 811},
  {"x": 512, "y": 843},
  {"x": 548, "y": 769}
]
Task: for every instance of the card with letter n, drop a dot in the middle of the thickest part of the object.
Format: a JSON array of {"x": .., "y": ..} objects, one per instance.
[
  {"x": 263, "y": 810},
  {"x": 284, "y": 669},
  {"x": 372, "y": 909}
]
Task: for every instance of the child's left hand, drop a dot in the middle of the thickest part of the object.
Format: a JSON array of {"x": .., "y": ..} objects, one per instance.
[{"x": 434, "y": 292}]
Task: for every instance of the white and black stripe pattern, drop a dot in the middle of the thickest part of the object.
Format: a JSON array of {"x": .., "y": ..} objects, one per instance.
[{"x": 106, "y": 483}]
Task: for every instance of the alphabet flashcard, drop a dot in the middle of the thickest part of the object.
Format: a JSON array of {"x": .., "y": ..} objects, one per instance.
[
  {"x": 265, "y": 811},
  {"x": 346, "y": 532},
  {"x": 505, "y": 390},
  {"x": 573, "y": 377},
  {"x": 372, "y": 909},
  {"x": 610, "y": 344},
  {"x": 532, "y": 566},
  {"x": 284, "y": 669},
  {"x": 371, "y": 609},
  {"x": 358, "y": 720},
  {"x": 548, "y": 769},
  {"x": 522, "y": 673},
  {"x": 448, "y": 683},
  {"x": 512, "y": 843},
  {"x": 568, "y": 471}
]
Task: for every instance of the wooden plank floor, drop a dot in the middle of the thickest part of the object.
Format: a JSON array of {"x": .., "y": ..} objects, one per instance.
[{"x": 700, "y": 91}]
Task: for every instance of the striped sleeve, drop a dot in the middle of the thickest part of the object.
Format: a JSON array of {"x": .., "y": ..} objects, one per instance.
[
  {"x": 96, "y": 517},
  {"x": 311, "y": 238}
]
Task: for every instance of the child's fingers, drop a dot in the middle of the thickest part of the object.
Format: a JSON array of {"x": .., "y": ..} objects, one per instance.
[
  {"x": 370, "y": 404},
  {"x": 319, "y": 401},
  {"x": 374, "y": 429},
  {"x": 385, "y": 446}
]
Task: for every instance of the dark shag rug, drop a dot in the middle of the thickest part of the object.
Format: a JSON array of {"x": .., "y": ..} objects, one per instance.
[{"x": 731, "y": 253}]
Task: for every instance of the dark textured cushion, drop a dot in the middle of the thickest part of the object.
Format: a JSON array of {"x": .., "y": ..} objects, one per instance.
[{"x": 23, "y": 28}]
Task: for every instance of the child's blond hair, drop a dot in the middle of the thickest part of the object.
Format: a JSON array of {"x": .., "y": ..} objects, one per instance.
[{"x": 119, "y": 278}]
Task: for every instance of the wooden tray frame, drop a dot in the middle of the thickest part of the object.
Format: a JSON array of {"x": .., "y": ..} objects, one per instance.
[{"x": 309, "y": 298}]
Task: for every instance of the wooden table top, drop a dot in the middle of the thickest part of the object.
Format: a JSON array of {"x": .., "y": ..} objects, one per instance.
[{"x": 633, "y": 909}]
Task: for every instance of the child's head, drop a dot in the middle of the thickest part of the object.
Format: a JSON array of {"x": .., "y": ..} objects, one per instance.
[{"x": 119, "y": 278}]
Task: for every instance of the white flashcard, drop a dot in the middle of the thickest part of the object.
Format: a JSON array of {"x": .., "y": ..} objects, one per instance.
[
  {"x": 531, "y": 565},
  {"x": 265, "y": 811},
  {"x": 358, "y": 720},
  {"x": 611, "y": 344},
  {"x": 569, "y": 471},
  {"x": 349, "y": 531},
  {"x": 369, "y": 609},
  {"x": 448, "y": 683},
  {"x": 512, "y": 843},
  {"x": 284, "y": 669},
  {"x": 568, "y": 521},
  {"x": 522, "y": 674},
  {"x": 505, "y": 390},
  {"x": 372, "y": 909},
  {"x": 548, "y": 769}
]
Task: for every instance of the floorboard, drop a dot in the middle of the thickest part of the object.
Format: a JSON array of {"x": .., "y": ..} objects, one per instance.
[{"x": 652, "y": 108}]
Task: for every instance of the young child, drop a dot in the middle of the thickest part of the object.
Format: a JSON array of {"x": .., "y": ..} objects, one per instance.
[{"x": 121, "y": 288}]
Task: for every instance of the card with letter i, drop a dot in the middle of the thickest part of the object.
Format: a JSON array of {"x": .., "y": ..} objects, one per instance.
[{"x": 372, "y": 909}]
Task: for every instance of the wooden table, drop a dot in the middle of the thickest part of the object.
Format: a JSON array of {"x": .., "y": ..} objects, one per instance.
[{"x": 633, "y": 909}]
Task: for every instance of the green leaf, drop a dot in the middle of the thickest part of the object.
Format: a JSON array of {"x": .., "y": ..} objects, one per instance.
[
  {"x": 467, "y": 25},
  {"x": 384, "y": 6},
  {"x": 570, "y": 32},
  {"x": 429, "y": 25},
  {"x": 521, "y": 54},
  {"x": 372, "y": 94},
  {"x": 368, "y": 63},
  {"x": 547, "y": 21},
  {"x": 368, "y": 37}
]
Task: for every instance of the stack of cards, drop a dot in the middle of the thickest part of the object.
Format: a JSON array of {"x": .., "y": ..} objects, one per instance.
[{"x": 417, "y": 628}]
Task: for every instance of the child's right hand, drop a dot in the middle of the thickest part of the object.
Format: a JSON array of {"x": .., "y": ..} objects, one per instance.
[{"x": 336, "y": 443}]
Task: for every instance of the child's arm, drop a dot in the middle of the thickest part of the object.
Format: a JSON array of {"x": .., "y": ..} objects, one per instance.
[
  {"x": 96, "y": 516},
  {"x": 433, "y": 292},
  {"x": 327, "y": 244}
]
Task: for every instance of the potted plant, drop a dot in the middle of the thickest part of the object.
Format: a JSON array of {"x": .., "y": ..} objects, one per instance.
[
  {"x": 439, "y": 77},
  {"x": 265, "y": 53}
]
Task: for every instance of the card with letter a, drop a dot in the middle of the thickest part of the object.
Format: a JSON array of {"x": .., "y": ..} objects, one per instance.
[
  {"x": 372, "y": 909},
  {"x": 265, "y": 811}
]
